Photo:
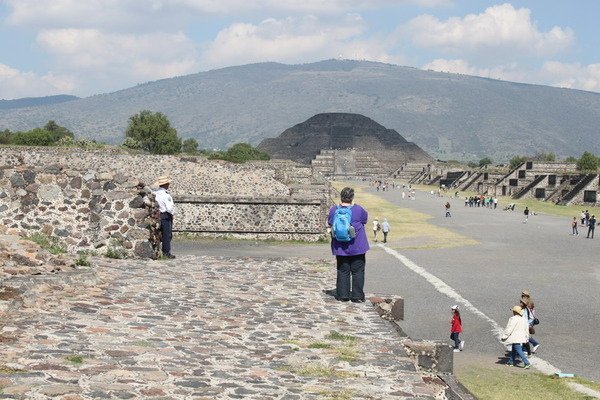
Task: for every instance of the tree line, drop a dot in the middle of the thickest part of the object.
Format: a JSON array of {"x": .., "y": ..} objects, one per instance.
[
  {"x": 146, "y": 132},
  {"x": 588, "y": 162}
]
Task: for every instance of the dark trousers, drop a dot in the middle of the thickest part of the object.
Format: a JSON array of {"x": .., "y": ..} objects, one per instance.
[
  {"x": 351, "y": 267},
  {"x": 166, "y": 229},
  {"x": 591, "y": 230},
  {"x": 454, "y": 336}
]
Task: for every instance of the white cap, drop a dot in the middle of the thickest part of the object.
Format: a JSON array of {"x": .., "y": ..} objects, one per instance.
[{"x": 455, "y": 307}]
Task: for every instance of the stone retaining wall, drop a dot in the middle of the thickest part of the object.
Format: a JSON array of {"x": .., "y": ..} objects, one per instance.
[
  {"x": 84, "y": 209},
  {"x": 283, "y": 218},
  {"x": 100, "y": 199}
]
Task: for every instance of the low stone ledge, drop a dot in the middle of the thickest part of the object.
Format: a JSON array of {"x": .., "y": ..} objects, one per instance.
[
  {"x": 244, "y": 200},
  {"x": 389, "y": 308},
  {"x": 432, "y": 356}
]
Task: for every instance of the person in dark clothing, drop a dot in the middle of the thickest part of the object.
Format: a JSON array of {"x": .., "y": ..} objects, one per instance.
[{"x": 591, "y": 226}]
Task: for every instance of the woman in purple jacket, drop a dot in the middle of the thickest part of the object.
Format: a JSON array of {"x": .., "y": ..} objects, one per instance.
[{"x": 351, "y": 255}]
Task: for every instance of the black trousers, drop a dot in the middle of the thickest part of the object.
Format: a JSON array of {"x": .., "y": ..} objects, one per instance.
[
  {"x": 166, "y": 229},
  {"x": 351, "y": 277}
]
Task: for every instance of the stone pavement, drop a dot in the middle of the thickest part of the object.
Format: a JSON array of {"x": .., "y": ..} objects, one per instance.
[{"x": 203, "y": 328}]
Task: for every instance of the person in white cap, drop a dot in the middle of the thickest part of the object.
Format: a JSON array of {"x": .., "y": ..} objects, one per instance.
[
  {"x": 456, "y": 329},
  {"x": 166, "y": 207}
]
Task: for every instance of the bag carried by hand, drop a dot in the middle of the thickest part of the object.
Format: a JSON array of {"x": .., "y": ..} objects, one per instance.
[
  {"x": 536, "y": 321},
  {"x": 531, "y": 330}
]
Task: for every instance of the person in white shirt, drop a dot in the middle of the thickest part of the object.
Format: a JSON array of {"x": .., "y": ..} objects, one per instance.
[
  {"x": 516, "y": 333},
  {"x": 166, "y": 207}
]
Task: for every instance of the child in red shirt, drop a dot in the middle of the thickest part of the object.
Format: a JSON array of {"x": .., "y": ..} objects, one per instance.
[{"x": 456, "y": 329}]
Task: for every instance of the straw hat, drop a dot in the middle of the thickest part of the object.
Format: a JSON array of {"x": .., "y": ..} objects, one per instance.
[
  {"x": 525, "y": 292},
  {"x": 518, "y": 310},
  {"x": 162, "y": 180}
]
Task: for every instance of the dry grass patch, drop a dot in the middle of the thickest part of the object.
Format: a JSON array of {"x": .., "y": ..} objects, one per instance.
[
  {"x": 506, "y": 383},
  {"x": 408, "y": 228}
]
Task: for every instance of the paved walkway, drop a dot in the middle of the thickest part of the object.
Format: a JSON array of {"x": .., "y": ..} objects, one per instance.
[{"x": 203, "y": 328}]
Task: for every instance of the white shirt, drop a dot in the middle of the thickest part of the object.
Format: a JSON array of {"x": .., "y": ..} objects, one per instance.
[{"x": 164, "y": 201}]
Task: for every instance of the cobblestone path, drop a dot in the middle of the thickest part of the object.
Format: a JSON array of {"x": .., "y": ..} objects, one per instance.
[{"x": 204, "y": 328}]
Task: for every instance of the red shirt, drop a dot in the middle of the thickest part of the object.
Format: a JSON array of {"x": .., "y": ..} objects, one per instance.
[{"x": 455, "y": 324}]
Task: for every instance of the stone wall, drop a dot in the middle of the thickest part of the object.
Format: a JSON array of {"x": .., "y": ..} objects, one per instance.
[
  {"x": 84, "y": 209},
  {"x": 277, "y": 218},
  {"x": 98, "y": 199}
]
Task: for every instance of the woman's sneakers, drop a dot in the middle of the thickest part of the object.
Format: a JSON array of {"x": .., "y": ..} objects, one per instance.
[
  {"x": 457, "y": 350},
  {"x": 527, "y": 366}
]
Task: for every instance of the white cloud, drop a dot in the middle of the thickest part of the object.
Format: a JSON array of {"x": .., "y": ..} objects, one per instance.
[
  {"x": 293, "y": 40},
  {"x": 15, "y": 83},
  {"x": 458, "y": 66},
  {"x": 499, "y": 27},
  {"x": 573, "y": 76},
  {"x": 130, "y": 57}
]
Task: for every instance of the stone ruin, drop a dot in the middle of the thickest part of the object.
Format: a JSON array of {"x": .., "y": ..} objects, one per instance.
[
  {"x": 344, "y": 145},
  {"x": 101, "y": 200}
]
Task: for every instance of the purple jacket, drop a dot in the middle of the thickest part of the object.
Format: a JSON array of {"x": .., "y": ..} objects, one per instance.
[{"x": 358, "y": 245}]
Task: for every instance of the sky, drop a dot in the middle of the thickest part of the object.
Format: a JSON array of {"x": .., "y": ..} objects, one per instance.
[{"x": 87, "y": 47}]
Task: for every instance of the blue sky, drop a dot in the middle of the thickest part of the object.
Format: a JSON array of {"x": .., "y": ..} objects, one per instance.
[{"x": 86, "y": 47}]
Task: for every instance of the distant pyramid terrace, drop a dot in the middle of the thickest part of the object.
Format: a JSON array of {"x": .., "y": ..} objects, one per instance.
[{"x": 344, "y": 144}]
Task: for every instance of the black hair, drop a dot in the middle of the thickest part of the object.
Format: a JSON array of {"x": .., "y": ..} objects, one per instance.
[{"x": 347, "y": 195}]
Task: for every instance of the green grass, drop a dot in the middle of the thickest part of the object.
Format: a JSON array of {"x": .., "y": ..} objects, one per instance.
[
  {"x": 51, "y": 244},
  {"x": 333, "y": 335},
  {"x": 116, "y": 252},
  {"x": 319, "y": 345},
  {"x": 4, "y": 370},
  {"x": 510, "y": 383},
  {"x": 345, "y": 394},
  {"x": 347, "y": 353},
  {"x": 409, "y": 229},
  {"x": 75, "y": 359},
  {"x": 82, "y": 260}
]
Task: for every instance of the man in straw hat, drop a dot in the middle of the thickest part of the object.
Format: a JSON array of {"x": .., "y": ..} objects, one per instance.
[
  {"x": 516, "y": 333},
  {"x": 166, "y": 207}
]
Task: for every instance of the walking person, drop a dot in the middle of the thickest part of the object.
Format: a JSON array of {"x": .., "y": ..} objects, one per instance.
[
  {"x": 447, "y": 205},
  {"x": 349, "y": 247},
  {"x": 376, "y": 228},
  {"x": 526, "y": 213},
  {"x": 456, "y": 329},
  {"x": 516, "y": 333},
  {"x": 591, "y": 226},
  {"x": 166, "y": 207},
  {"x": 528, "y": 314},
  {"x": 385, "y": 228},
  {"x": 574, "y": 226}
]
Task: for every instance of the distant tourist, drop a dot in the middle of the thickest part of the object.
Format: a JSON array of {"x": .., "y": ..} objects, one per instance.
[
  {"x": 495, "y": 200},
  {"x": 166, "y": 207},
  {"x": 591, "y": 226},
  {"x": 350, "y": 252},
  {"x": 376, "y": 228},
  {"x": 385, "y": 228},
  {"x": 447, "y": 206},
  {"x": 526, "y": 213},
  {"x": 574, "y": 226},
  {"x": 587, "y": 217},
  {"x": 516, "y": 333},
  {"x": 456, "y": 329},
  {"x": 582, "y": 218}
]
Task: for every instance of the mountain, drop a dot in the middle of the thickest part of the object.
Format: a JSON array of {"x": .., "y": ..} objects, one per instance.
[
  {"x": 450, "y": 116},
  {"x": 35, "y": 101}
]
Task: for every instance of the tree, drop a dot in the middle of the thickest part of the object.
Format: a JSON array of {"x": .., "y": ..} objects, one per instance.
[
  {"x": 485, "y": 161},
  {"x": 189, "y": 146},
  {"x": 5, "y": 136},
  {"x": 588, "y": 162},
  {"x": 34, "y": 137},
  {"x": 241, "y": 152},
  {"x": 153, "y": 133},
  {"x": 516, "y": 161},
  {"x": 58, "y": 132},
  {"x": 571, "y": 159}
]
